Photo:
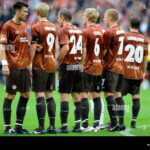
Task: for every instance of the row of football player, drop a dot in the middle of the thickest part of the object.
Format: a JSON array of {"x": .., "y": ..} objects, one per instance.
[{"x": 86, "y": 48}]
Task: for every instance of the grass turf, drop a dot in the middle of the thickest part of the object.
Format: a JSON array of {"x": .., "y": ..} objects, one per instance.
[{"x": 31, "y": 122}]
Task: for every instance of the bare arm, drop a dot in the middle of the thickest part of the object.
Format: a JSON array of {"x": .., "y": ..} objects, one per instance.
[
  {"x": 63, "y": 52},
  {"x": 145, "y": 64},
  {"x": 83, "y": 55},
  {"x": 32, "y": 51},
  {"x": 5, "y": 69},
  {"x": 104, "y": 51}
]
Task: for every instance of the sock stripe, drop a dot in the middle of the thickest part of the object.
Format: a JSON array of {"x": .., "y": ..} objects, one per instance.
[{"x": 85, "y": 120}]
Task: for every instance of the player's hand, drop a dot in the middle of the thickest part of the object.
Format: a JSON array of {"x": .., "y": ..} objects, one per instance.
[
  {"x": 39, "y": 48},
  {"x": 5, "y": 70}
]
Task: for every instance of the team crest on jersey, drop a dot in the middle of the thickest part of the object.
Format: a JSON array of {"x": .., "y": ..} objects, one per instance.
[{"x": 3, "y": 37}]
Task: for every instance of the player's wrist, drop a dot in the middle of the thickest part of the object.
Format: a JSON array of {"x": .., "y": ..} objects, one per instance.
[
  {"x": 4, "y": 63},
  {"x": 143, "y": 74}
]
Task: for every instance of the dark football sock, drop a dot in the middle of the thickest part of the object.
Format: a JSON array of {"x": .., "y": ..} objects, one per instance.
[
  {"x": 78, "y": 109},
  {"x": 7, "y": 113},
  {"x": 135, "y": 108},
  {"x": 97, "y": 111},
  {"x": 64, "y": 114},
  {"x": 111, "y": 106},
  {"x": 85, "y": 112},
  {"x": 21, "y": 111},
  {"x": 120, "y": 109},
  {"x": 51, "y": 108},
  {"x": 41, "y": 110}
]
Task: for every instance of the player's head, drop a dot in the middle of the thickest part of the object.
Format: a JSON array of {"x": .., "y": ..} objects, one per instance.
[
  {"x": 64, "y": 15},
  {"x": 90, "y": 15},
  {"x": 135, "y": 22},
  {"x": 20, "y": 10},
  {"x": 111, "y": 15},
  {"x": 42, "y": 10}
]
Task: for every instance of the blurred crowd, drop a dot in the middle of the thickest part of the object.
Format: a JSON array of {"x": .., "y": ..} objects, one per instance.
[{"x": 126, "y": 8}]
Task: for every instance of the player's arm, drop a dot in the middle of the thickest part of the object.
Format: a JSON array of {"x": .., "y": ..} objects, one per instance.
[
  {"x": 144, "y": 64},
  {"x": 83, "y": 55},
  {"x": 63, "y": 52},
  {"x": 5, "y": 69}
]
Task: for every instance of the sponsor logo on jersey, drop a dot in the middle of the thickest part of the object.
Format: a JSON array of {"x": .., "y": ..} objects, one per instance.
[{"x": 3, "y": 37}]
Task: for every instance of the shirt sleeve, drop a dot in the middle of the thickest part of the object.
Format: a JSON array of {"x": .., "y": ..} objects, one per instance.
[
  {"x": 4, "y": 36},
  {"x": 34, "y": 34},
  {"x": 106, "y": 40},
  {"x": 63, "y": 37},
  {"x": 146, "y": 48},
  {"x": 84, "y": 38}
]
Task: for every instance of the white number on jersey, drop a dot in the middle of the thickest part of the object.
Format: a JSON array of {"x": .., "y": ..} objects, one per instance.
[
  {"x": 50, "y": 41},
  {"x": 121, "y": 40},
  {"x": 135, "y": 54},
  {"x": 96, "y": 47},
  {"x": 77, "y": 46}
]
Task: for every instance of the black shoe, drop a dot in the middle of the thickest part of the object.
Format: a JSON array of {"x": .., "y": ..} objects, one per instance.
[
  {"x": 133, "y": 124},
  {"x": 10, "y": 131},
  {"x": 51, "y": 130},
  {"x": 78, "y": 130},
  {"x": 21, "y": 131},
  {"x": 61, "y": 130},
  {"x": 114, "y": 128},
  {"x": 38, "y": 131},
  {"x": 122, "y": 127}
]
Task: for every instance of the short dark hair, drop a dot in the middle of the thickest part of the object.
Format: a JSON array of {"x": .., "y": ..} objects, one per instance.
[
  {"x": 66, "y": 13},
  {"x": 19, "y": 5},
  {"x": 135, "y": 22}
]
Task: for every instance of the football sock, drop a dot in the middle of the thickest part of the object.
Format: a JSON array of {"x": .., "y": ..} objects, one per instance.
[
  {"x": 135, "y": 108},
  {"x": 120, "y": 109},
  {"x": 111, "y": 106},
  {"x": 51, "y": 108},
  {"x": 97, "y": 111},
  {"x": 7, "y": 113},
  {"x": 41, "y": 110},
  {"x": 64, "y": 114},
  {"x": 102, "y": 113},
  {"x": 78, "y": 109},
  {"x": 85, "y": 112},
  {"x": 21, "y": 111}
]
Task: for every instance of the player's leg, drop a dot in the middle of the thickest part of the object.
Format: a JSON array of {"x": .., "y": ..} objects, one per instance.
[
  {"x": 39, "y": 84},
  {"x": 51, "y": 108},
  {"x": 135, "y": 109},
  {"x": 109, "y": 89},
  {"x": 97, "y": 110},
  {"x": 77, "y": 111},
  {"x": 134, "y": 91},
  {"x": 101, "y": 122},
  {"x": 21, "y": 111},
  {"x": 7, "y": 112},
  {"x": 64, "y": 111},
  {"x": 85, "y": 110}
]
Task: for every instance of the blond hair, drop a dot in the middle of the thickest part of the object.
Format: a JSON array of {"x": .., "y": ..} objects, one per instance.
[
  {"x": 113, "y": 13},
  {"x": 92, "y": 13},
  {"x": 42, "y": 9}
]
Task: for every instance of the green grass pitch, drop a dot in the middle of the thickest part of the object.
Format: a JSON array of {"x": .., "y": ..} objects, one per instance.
[{"x": 31, "y": 122}]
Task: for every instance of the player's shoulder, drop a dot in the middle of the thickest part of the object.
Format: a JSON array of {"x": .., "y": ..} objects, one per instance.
[{"x": 7, "y": 23}]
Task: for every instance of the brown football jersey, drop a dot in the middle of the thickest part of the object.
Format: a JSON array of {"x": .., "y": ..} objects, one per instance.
[
  {"x": 92, "y": 40},
  {"x": 15, "y": 38},
  {"x": 44, "y": 33},
  {"x": 113, "y": 42},
  {"x": 72, "y": 36},
  {"x": 135, "y": 48}
]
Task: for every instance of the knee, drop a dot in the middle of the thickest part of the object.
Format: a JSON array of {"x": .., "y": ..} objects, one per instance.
[
  {"x": 10, "y": 96},
  {"x": 25, "y": 94}
]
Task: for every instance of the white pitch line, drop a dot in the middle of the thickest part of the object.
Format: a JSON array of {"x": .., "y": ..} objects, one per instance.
[{"x": 127, "y": 131}]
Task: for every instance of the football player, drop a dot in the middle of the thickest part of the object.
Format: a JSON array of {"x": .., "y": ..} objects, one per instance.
[
  {"x": 92, "y": 43},
  {"x": 43, "y": 67},
  {"x": 135, "y": 62},
  {"x": 113, "y": 68},
  {"x": 15, "y": 57},
  {"x": 70, "y": 70}
]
